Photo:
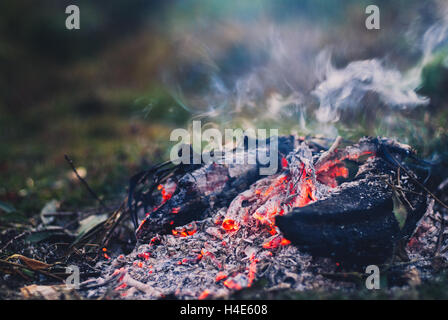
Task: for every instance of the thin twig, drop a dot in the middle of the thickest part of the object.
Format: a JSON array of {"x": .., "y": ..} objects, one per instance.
[
  {"x": 12, "y": 264},
  {"x": 400, "y": 192},
  {"x": 442, "y": 223},
  {"x": 420, "y": 184},
  {"x": 406, "y": 263},
  {"x": 84, "y": 182}
]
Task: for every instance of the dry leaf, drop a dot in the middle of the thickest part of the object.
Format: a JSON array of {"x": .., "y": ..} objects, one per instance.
[
  {"x": 55, "y": 292},
  {"x": 31, "y": 263}
]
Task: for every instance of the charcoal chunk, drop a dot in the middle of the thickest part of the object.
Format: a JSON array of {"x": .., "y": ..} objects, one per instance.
[{"x": 357, "y": 223}]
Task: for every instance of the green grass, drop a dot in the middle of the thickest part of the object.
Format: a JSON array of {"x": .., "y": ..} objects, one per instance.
[{"x": 111, "y": 144}]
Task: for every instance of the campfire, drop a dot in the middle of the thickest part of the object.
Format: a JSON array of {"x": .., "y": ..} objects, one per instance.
[
  {"x": 203, "y": 150},
  {"x": 209, "y": 230}
]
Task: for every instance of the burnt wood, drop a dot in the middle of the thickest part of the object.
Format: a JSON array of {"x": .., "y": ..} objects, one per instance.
[
  {"x": 357, "y": 222},
  {"x": 209, "y": 187}
]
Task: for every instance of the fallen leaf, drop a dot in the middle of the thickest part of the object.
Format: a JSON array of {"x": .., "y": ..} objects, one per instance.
[
  {"x": 55, "y": 292},
  {"x": 31, "y": 263},
  {"x": 399, "y": 210}
]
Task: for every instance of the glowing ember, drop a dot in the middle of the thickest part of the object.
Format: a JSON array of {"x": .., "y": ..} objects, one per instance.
[
  {"x": 232, "y": 284},
  {"x": 252, "y": 269},
  {"x": 121, "y": 286},
  {"x": 220, "y": 276},
  {"x": 230, "y": 225},
  {"x": 204, "y": 294},
  {"x": 144, "y": 255},
  {"x": 167, "y": 191},
  {"x": 276, "y": 242},
  {"x": 183, "y": 233},
  {"x": 284, "y": 163}
]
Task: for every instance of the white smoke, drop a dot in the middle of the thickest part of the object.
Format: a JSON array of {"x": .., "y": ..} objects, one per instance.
[
  {"x": 267, "y": 82},
  {"x": 276, "y": 73},
  {"x": 345, "y": 88},
  {"x": 342, "y": 89}
]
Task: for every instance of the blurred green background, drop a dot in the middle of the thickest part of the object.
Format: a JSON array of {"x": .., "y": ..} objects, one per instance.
[{"x": 109, "y": 94}]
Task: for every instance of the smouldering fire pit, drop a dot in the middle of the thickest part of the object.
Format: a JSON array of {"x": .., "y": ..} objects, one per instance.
[{"x": 212, "y": 229}]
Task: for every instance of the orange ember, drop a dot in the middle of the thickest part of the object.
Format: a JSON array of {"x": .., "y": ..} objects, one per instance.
[
  {"x": 330, "y": 171},
  {"x": 220, "y": 276},
  {"x": 272, "y": 230},
  {"x": 230, "y": 225},
  {"x": 144, "y": 255},
  {"x": 183, "y": 232},
  {"x": 204, "y": 294},
  {"x": 284, "y": 163},
  {"x": 121, "y": 286},
  {"x": 232, "y": 284},
  {"x": 275, "y": 242},
  {"x": 306, "y": 194},
  {"x": 167, "y": 191},
  {"x": 252, "y": 270}
]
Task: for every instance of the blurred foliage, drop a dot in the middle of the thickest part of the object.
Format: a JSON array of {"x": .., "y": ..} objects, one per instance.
[{"x": 90, "y": 93}]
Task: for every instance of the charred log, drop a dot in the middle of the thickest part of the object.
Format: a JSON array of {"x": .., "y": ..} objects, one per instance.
[
  {"x": 212, "y": 186},
  {"x": 356, "y": 223}
]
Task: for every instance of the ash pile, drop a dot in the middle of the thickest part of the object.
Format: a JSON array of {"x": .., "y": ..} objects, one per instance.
[{"x": 210, "y": 230}]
